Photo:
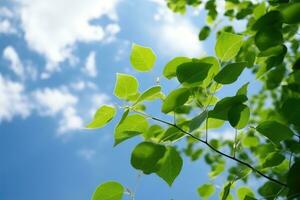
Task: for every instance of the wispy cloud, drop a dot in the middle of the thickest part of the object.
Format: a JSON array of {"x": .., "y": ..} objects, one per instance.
[{"x": 90, "y": 67}]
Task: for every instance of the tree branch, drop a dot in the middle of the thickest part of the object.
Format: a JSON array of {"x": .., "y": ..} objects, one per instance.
[{"x": 219, "y": 152}]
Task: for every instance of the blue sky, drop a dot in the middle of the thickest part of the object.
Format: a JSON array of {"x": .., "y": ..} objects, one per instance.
[{"x": 58, "y": 60}]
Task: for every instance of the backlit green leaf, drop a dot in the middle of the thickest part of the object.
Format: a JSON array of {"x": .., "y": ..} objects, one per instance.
[
  {"x": 228, "y": 45},
  {"x": 171, "y": 67},
  {"x": 129, "y": 127},
  {"x": 243, "y": 90},
  {"x": 142, "y": 58},
  {"x": 206, "y": 190},
  {"x": 175, "y": 99},
  {"x": 293, "y": 178},
  {"x": 214, "y": 69},
  {"x": 230, "y": 73},
  {"x": 102, "y": 116},
  {"x": 126, "y": 86},
  {"x": 150, "y": 94},
  {"x": 109, "y": 191},
  {"x": 243, "y": 191},
  {"x": 268, "y": 37},
  {"x": 170, "y": 165},
  {"x": 275, "y": 131},
  {"x": 226, "y": 191},
  {"x": 146, "y": 155}
]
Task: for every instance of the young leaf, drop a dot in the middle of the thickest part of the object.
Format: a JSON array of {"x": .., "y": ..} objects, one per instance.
[
  {"x": 206, "y": 190},
  {"x": 171, "y": 67},
  {"x": 192, "y": 73},
  {"x": 275, "y": 131},
  {"x": 243, "y": 191},
  {"x": 228, "y": 45},
  {"x": 238, "y": 116},
  {"x": 129, "y": 127},
  {"x": 142, "y": 58},
  {"x": 146, "y": 155},
  {"x": 109, "y": 191},
  {"x": 102, "y": 116},
  {"x": 175, "y": 99},
  {"x": 273, "y": 159},
  {"x": 149, "y": 94},
  {"x": 126, "y": 86},
  {"x": 230, "y": 73},
  {"x": 170, "y": 165},
  {"x": 198, "y": 120}
]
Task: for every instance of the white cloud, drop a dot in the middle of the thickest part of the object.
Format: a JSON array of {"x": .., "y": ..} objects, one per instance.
[
  {"x": 90, "y": 66},
  {"x": 6, "y": 27},
  {"x": 70, "y": 121},
  {"x": 59, "y": 102},
  {"x": 52, "y": 27},
  {"x": 97, "y": 101},
  {"x": 52, "y": 101},
  {"x": 5, "y": 12},
  {"x": 13, "y": 101},
  {"x": 16, "y": 65},
  {"x": 177, "y": 35}
]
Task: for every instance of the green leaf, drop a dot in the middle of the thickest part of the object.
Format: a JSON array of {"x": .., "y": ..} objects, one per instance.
[
  {"x": 153, "y": 132},
  {"x": 291, "y": 109},
  {"x": 109, "y": 191},
  {"x": 204, "y": 33},
  {"x": 293, "y": 178},
  {"x": 290, "y": 13},
  {"x": 273, "y": 159},
  {"x": 214, "y": 69},
  {"x": 243, "y": 90},
  {"x": 238, "y": 116},
  {"x": 259, "y": 10},
  {"x": 102, "y": 116},
  {"x": 275, "y": 131},
  {"x": 228, "y": 45},
  {"x": 146, "y": 155},
  {"x": 250, "y": 141},
  {"x": 273, "y": 51},
  {"x": 197, "y": 121},
  {"x": 171, "y": 67},
  {"x": 269, "y": 189},
  {"x": 221, "y": 109},
  {"x": 142, "y": 58},
  {"x": 126, "y": 86},
  {"x": 226, "y": 191},
  {"x": 175, "y": 99},
  {"x": 270, "y": 19},
  {"x": 243, "y": 191},
  {"x": 268, "y": 37},
  {"x": 170, "y": 165},
  {"x": 149, "y": 94},
  {"x": 129, "y": 127},
  {"x": 230, "y": 73},
  {"x": 206, "y": 190},
  {"x": 192, "y": 73}
]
